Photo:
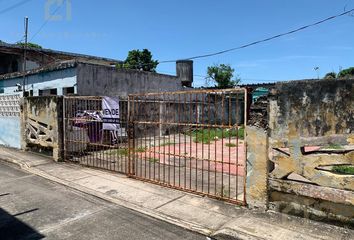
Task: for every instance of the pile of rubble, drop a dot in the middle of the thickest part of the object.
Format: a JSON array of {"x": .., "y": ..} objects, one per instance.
[{"x": 258, "y": 115}]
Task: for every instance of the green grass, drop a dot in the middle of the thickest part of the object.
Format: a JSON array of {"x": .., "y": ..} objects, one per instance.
[
  {"x": 140, "y": 149},
  {"x": 230, "y": 145},
  {"x": 125, "y": 151},
  {"x": 208, "y": 135},
  {"x": 166, "y": 144},
  {"x": 333, "y": 146},
  {"x": 121, "y": 151},
  {"x": 343, "y": 169}
]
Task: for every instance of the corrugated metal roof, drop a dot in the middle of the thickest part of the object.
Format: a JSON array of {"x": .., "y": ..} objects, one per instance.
[
  {"x": 48, "y": 68},
  {"x": 4, "y": 45}
]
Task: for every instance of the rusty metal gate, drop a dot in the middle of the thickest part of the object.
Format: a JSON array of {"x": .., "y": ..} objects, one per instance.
[
  {"x": 190, "y": 140},
  {"x": 86, "y": 141}
]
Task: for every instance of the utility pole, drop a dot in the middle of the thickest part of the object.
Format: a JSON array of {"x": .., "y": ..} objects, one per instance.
[
  {"x": 317, "y": 69},
  {"x": 24, "y": 58}
]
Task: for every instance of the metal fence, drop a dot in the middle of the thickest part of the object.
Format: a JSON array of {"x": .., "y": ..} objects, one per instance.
[
  {"x": 190, "y": 140},
  {"x": 85, "y": 140}
]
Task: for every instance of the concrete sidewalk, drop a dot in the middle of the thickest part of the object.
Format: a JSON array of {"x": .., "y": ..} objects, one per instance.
[{"x": 207, "y": 216}]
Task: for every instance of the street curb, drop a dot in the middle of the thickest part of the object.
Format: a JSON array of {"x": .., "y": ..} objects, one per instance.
[
  {"x": 15, "y": 162},
  {"x": 230, "y": 234},
  {"x": 219, "y": 233},
  {"x": 178, "y": 222}
]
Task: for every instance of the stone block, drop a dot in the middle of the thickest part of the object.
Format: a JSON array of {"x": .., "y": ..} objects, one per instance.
[{"x": 257, "y": 167}]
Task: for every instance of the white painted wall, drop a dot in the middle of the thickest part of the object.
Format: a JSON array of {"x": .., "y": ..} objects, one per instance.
[
  {"x": 10, "y": 128},
  {"x": 58, "y": 79},
  {"x": 10, "y": 132}
]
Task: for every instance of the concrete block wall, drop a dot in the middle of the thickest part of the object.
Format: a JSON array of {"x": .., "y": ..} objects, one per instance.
[
  {"x": 95, "y": 80},
  {"x": 42, "y": 125},
  {"x": 309, "y": 129},
  {"x": 257, "y": 167}
]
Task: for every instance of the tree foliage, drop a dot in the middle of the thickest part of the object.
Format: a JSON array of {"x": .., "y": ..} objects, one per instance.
[
  {"x": 222, "y": 75},
  {"x": 349, "y": 72},
  {"x": 345, "y": 73},
  {"x": 330, "y": 75},
  {"x": 139, "y": 60}
]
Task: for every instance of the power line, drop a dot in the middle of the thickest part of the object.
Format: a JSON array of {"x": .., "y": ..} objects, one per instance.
[
  {"x": 39, "y": 51},
  {"x": 42, "y": 26},
  {"x": 241, "y": 78},
  {"x": 14, "y": 6},
  {"x": 20, "y": 42},
  {"x": 257, "y": 42},
  {"x": 216, "y": 53},
  {"x": 40, "y": 29},
  {"x": 45, "y": 22},
  {"x": 266, "y": 39},
  {"x": 235, "y": 48},
  {"x": 261, "y": 41},
  {"x": 345, "y": 8}
]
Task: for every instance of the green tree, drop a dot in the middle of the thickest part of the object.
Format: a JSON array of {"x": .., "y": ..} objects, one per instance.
[
  {"x": 349, "y": 72},
  {"x": 330, "y": 75},
  {"x": 140, "y": 60},
  {"x": 222, "y": 75},
  {"x": 30, "y": 45}
]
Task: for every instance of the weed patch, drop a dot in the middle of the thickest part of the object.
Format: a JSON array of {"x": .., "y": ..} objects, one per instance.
[
  {"x": 230, "y": 145},
  {"x": 343, "y": 169},
  {"x": 208, "y": 135},
  {"x": 333, "y": 146},
  {"x": 121, "y": 151},
  {"x": 140, "y": 149}
]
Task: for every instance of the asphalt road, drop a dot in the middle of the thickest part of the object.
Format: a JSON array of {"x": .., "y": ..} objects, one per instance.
[{"x": 34, "y": 208}]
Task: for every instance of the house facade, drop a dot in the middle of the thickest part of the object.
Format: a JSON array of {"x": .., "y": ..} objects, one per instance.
[{"x": 59, "y": 73}]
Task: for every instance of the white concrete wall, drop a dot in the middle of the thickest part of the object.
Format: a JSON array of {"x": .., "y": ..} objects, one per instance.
[
  {"x": 10, "y": 128},
  {"x": 10, "y": 132},
  {"x": 58, "y": 79}
]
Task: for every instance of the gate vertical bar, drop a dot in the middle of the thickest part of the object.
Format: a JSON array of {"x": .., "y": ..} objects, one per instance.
[
  {"x": 64, "y": 128},
  {"x": 245, "y": 143}
]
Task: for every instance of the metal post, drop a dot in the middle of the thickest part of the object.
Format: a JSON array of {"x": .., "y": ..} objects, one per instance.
[{"x": 24, "y": 58}]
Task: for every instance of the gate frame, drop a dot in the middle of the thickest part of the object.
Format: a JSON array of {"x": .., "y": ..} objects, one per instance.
[
  {"x": 131, "y": 140},
  {"x": 131, "y": 170}
]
